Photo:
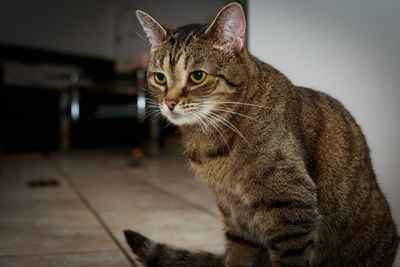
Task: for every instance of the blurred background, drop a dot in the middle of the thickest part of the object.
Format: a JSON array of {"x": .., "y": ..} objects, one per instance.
[{"x": 80, "y": 158}]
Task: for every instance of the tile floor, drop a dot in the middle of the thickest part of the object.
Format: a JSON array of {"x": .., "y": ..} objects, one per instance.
[{"x": 80, "y": 222}]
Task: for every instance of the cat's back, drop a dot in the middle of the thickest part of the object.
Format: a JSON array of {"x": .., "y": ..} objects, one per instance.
[
  {"x": 356, "y": 214},
  {"x": 334, "y": 149},
  {"x": 331, "y": 135}
]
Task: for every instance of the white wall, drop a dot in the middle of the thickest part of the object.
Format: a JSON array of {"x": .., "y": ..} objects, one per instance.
[
  {"x": 349, "y": 49},
  {"x": 88, "y": 27}
]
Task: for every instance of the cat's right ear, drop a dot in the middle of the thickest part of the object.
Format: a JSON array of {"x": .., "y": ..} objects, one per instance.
[{"x": 154, "y": 31}]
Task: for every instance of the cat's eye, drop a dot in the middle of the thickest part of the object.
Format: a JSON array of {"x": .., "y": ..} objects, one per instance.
[
  {"x": 160, "y": 78},
  {"x": 198, "y": 76}
]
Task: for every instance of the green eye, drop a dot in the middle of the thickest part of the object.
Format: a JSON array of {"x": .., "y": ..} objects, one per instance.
[
  {"x": 198, "y": 76},
  {"x": 160, "y": 78}
]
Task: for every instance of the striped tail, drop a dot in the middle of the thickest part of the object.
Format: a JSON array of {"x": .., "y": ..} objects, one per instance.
[{"x": 153, "y": 254}]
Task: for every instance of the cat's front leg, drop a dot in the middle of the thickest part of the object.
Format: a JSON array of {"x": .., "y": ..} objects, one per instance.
[
  {"x": 285, "y": 215},
  {"x": 240, "y": 252},
  {"x": 290, "y": 240}
]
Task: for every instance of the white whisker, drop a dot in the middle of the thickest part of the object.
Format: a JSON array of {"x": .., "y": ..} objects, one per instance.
[
  {"x": 215, "y": 126},
  {"x": 229, "y": 125},
  {"x": 236, "y": 113},
  {"x": 150, "y": 100},
  {"x": 140, "y": 36},
  {"x": 154, "y": 106},
  {"x": 201, "y": 122},
  {"x": 234, "y": 103},
  {"x": 151, "y": 116},
  {"x": 144, "y": 89},
  {"x": 139, "y": 41}
]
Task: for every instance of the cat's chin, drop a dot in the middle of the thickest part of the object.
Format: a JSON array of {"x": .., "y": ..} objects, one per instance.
[{"x": 178, "y": 119}]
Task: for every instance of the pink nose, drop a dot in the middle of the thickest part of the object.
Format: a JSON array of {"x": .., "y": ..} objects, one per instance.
[{"x": 170, "y": 104}]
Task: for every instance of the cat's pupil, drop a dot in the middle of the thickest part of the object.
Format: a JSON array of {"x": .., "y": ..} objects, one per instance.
[
  {"x": 197, "y": 75},
  {"x": 160, "y": 76}
]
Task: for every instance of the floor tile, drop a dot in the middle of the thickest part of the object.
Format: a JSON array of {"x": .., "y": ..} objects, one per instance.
[
  {"x": 99, "y": 192},
  {"x": 113, "y": 258},
  {"x": 44, "y": 220}
]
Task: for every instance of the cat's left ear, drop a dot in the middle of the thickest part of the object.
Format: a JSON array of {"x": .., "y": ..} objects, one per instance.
[
  {"x": 229, "y": 28},
  {"x": 154, "y": 31}
]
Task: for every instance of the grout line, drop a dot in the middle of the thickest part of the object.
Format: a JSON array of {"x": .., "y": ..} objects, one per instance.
[
  {"x": 178, "y": 197},
  {"x": 170, "y": 193},
  {"x": 56, "y": 253},
  {"x": 86, "y": 202}
]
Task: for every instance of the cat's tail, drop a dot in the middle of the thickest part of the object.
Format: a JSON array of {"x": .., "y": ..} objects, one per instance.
[{"x": 151, "y": 253}]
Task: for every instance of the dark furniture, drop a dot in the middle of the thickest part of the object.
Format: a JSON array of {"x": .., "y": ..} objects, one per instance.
[{"x": 30, "y": 115}]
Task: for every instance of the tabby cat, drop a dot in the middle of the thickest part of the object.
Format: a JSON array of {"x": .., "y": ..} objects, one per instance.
[{"x": 288, "y": 166}]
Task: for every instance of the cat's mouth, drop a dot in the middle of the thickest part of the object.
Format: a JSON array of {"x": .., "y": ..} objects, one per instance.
[{"x": 177, "y": 116}]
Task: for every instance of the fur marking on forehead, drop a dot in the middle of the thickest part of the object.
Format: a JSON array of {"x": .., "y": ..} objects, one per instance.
[{"x": 182, "y": 36}]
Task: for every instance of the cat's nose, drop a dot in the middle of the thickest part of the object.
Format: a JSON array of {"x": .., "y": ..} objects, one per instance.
[{"x": 170, "y": 104}]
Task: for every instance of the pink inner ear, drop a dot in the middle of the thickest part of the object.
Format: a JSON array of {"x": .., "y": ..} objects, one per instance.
[
  {"x": 240, "y": 29},
  {"x": 231, "y": 27}
]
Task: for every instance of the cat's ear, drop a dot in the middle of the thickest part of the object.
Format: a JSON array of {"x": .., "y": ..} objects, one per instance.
[
  {"x": 229, "y": 28},
  {"x": 154, "y": 31}
]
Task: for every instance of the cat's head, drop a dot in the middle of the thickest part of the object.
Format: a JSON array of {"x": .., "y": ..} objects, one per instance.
[{"x": 196, "y": 68}]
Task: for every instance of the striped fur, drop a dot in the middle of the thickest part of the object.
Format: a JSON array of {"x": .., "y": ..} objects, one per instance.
[{"x": 288, "y": 166}]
